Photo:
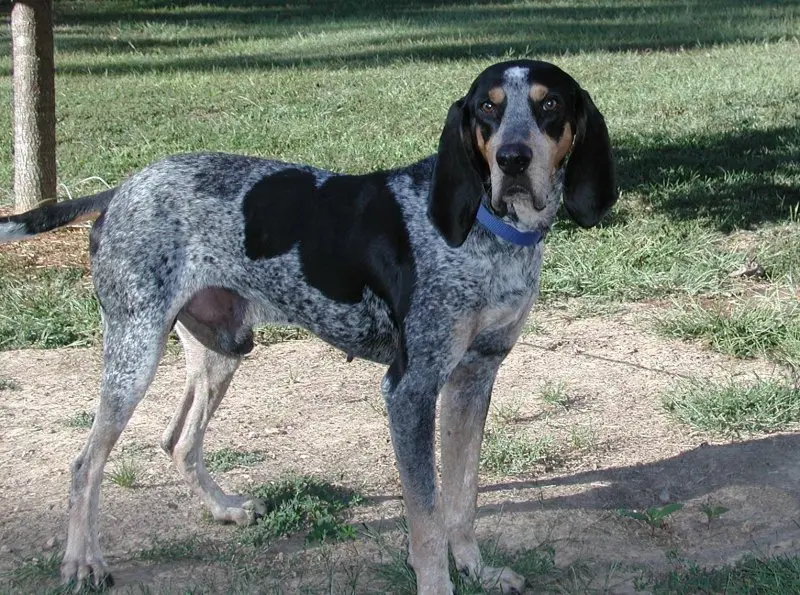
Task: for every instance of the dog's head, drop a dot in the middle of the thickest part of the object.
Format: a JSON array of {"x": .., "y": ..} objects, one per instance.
[{"x": 524, "y": 133}]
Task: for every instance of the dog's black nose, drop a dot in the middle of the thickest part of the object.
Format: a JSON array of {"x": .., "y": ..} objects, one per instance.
[{"x": 514, "y": 158}]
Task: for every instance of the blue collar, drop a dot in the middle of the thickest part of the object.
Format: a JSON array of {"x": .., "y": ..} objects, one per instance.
[{"x": 505, "y": 231}]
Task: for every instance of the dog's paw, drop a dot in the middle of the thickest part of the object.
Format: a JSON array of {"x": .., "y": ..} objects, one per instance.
[
  {"x": 241, "y": 510},
  {"x": 86, "y": 574},
  {"x": 255, "y": 507},
  {"x": 510, "y": 582}
]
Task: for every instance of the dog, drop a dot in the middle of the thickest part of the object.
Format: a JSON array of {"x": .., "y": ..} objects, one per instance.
[{"x": 430, "y": 269}]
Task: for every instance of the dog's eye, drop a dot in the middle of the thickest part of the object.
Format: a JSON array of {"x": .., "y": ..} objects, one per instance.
[
  {"x": 487, "y": 107},
  {"x": 550, "y": 104}
]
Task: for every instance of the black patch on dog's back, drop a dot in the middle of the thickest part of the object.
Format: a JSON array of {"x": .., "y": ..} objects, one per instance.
[{"x": 350, "y": 234}]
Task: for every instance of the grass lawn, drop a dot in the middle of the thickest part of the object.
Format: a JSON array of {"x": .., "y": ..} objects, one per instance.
[{"x": 701, "y": 99}]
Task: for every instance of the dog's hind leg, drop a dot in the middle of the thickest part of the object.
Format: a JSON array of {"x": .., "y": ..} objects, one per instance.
[
  {"x": 208, "y": 374},
  {"x": 131, "y": 351},
  {"x": 465, "y": 403}
]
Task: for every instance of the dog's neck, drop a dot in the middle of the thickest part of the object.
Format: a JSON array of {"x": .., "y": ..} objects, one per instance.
[{"x": 506, "y": 231}]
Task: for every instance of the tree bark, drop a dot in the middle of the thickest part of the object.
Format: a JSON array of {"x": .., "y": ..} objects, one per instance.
[{"x": 34, "y": 104}]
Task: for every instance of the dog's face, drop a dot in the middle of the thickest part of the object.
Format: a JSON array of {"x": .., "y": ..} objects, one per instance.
[
  {"x": 525, "y": 131},
  {"x": 522, "y": 120}
]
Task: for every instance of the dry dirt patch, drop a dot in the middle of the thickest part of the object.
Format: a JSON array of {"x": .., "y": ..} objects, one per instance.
[
  {"x": 65, "y": 247},
  {"x": 311, "y": 412}
]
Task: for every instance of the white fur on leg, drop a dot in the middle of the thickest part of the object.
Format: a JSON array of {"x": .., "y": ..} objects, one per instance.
[
  {"x": 10, "y": 232},
  {"x": 207, "y": 377},
  {"x": 505, "y": 578}
]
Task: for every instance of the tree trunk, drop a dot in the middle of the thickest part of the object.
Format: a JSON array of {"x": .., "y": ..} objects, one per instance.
[{"x": 34, "y": 104}]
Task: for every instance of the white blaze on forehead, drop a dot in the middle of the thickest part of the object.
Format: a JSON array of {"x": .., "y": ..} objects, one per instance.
[
  {"x": 516, "y": 75},
  {"x": 515, "y": 83},
  {"x": 517, "y": 114}
]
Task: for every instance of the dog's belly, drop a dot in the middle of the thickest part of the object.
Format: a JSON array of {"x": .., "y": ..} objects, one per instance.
[
  {"x": 364, "y": 329},
  {"x": 377, "y": 345}
]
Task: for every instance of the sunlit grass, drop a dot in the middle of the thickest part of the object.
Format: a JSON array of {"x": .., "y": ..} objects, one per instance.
[{"x": 736, "y": 408}]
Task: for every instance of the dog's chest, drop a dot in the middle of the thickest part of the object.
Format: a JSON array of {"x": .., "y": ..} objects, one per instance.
[
  {"x": 506, "y": 281},
  {"x": 510, "y": 292}
]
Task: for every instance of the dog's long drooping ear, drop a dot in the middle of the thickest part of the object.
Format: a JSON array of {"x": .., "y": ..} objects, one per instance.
[
  {"x": 589, "y": 188},
  {"x": 456, "y": 188}
]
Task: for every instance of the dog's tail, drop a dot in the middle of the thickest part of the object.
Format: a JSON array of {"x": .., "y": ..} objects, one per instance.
[{"x": 48, "y": 217}]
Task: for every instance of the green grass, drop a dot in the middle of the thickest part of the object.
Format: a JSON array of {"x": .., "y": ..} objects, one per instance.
[
  {"x": 757, "y": 327},
  {"x": 555, "y": 395},
  {"x": 80, "y": 419},
  {"x": 533, "y": 564},
  {"x": 269, "y": 335},
  {"x": 777, "y": 575},
  {"x": 505, "y": 413},
  {"x": 226, "y": 459},
  {"x": 50, "y": 308},
  {"x": 126, "y": 473},
  {"x": 33, "y": 571},
  {"x": 8, "y": 384},
  {"x": 642, "y": 258},
  {"x": 733, "y": 409},
  {"x": 171, "y": 550},
  {"x": 306, "y": 504},
  {"x": 505, "y": 452},
  {"x": 581, "y": 439},
  {"x": 777, "y": 250},
  {"x": 510, "y": 450},
  {"x": 56, "y": 307},
  {"x": 147, "y": 36},
  {"x": 655, "y": 517}
]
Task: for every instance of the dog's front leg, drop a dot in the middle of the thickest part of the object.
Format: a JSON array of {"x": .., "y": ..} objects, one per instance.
[
  {"x": 465, "y": 403},
  {"x": 411, "y": 404}
]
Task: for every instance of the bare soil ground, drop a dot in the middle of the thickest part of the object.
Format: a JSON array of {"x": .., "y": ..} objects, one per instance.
[
  {"x": 312, "y": 413},
  {"x": 66, "y": 247}
]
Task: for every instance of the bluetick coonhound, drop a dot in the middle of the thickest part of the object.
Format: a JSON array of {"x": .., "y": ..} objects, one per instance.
[{"x": 430, "y": 269}]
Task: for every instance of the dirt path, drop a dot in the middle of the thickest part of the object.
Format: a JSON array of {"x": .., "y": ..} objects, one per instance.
[{"x": 313, "y": 413}]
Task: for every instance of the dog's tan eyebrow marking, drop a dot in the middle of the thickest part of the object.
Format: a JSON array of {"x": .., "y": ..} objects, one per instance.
[
  {"x": 497, "y": 95},
  {"x": 481, "y": 144},
  {"x": 486, "y": 146},
  {"x": 563, "y": 146},
  {"x": 538, "y": 91}
]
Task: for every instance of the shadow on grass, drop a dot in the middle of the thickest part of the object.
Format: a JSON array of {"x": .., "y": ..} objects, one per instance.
[
  {"x": 425, "y": 30},
  {"x": 766, "y": 463},
  {"x": 733, "y": 180}
]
